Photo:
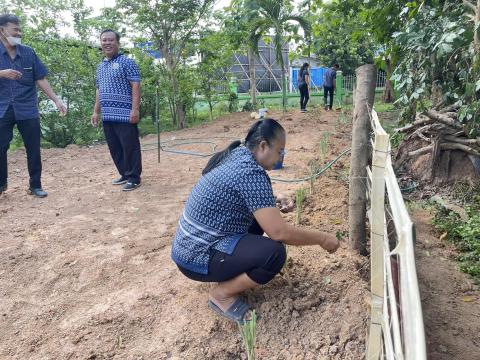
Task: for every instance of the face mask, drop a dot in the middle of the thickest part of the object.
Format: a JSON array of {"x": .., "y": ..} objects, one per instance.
[{"x": 13, "y": 41}]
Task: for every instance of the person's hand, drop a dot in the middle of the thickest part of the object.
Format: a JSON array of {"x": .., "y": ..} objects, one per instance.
[
  {"x": 284, "y": 203},
  {"x": 94, "y": 119},
  {"x": 134, "y": 116},
  {"x": 62, "y": 109},
  {"x": 331, "y": 243},
  {"x": 10, "y": 74}
]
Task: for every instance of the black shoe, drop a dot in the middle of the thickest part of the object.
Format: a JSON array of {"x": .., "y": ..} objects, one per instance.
[
  {"x": 38, "y": 192},
  {"x": 303, "y": 110},
  {"x": 3, "y": 188},
  {"x": 129, "y": 186},
  {"x": 326, "y": 107},
  {"x": 120, "y": 181}
]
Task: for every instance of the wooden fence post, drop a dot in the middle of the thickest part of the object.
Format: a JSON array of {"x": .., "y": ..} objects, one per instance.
[
  {"x": 364, "y": 97},
  {"x": 377, "y": 252}
]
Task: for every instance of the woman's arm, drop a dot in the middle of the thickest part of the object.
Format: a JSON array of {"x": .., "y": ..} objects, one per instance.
[{"x": 277, "y": 229}]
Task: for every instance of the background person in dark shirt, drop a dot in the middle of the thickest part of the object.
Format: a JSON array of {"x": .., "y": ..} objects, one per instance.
[
  {"x": 304, "y": 86},
  {"x": 20, "y": 73},
  {"x": 329, "y": 85}
]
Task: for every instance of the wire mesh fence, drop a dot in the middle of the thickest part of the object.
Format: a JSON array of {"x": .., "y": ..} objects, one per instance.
[{"x": 349, "y": 81}]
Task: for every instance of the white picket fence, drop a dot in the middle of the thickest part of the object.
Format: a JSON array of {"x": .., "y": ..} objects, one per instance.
[{"x": 396, "y": 322}]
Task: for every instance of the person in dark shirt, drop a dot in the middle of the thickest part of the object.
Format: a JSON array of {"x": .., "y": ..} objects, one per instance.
[
  {"x": 304, "y": 86},
  {"x": 20, "y": 73},
  {"x": 220, "y": 238},
  {"x": 329, "y": 85}
]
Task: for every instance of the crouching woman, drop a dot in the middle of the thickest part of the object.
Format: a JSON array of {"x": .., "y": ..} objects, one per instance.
[{"x": 220, "y": 233}]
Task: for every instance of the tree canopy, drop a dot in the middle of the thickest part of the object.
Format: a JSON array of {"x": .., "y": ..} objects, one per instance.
[{"x": 429, "y": 49}]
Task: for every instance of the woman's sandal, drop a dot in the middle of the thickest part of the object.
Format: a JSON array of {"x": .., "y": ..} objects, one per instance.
[{"x": 235, "y": 312}]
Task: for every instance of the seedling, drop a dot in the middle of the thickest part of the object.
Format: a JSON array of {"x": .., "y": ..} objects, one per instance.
[
  {"x": 300, "y": 196},
  {"x": 343, "y": 118},
  {"x": 341, "y": 235},
  {"x": 285, "y": 273},
  {"x": 248, "y": 330},
  {"x": 324, "y": 146}
]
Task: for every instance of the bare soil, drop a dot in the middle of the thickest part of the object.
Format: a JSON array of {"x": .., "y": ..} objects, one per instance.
[
  {"x": 451, "y": 307},
  {"x": 86, "y": 272}
]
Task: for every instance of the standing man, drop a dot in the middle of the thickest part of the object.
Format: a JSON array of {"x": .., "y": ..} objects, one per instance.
[
  {"x": 329, "y": 85},
  {"x": 20, "y": 73},
  {"x": 118, "y": 100}
]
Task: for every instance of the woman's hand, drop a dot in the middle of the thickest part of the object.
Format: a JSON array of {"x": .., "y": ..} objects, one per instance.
[
  {"x": 284, "y": 203},
  {"x": 330, "y": 243}
]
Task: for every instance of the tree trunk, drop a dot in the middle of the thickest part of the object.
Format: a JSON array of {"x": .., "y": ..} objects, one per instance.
[
  {"x": 388, "y": 92},
  {"x": 210, "y": 110},
  {"x": 476, "y": 23},
  {"x": 364, "y": 97},
  {"x": 476, "y": 38},
  {"x": 284, "y": 90},
  {"x": 253, "y": 81},
  {"x": 181, "y": 114},
  {"x": 475, "y": 18},
  {"x": 178, "y": 110}
]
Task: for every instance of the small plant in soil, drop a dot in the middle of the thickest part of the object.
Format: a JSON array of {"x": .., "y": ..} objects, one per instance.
[
  {"x": 324, "y": 146},
  {"x": 341, "y": 235},
  {"x": 343, "y": 118},
  {"x": 300, "y": 197},
  {"x": 248, "y": 330},
  {"x": 285, "y": 272}
]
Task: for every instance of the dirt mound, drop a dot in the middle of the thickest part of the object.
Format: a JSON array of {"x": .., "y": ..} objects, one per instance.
[
  {"x": 86, "y": 272},
  {"x": 450, "y": 166}
]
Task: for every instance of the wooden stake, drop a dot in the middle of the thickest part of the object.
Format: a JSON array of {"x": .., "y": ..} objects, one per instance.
[{"x": 364, "y": 98}]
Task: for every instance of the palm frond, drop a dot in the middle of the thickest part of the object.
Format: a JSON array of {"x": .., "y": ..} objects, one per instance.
[
  {"x": 258, "y": 29},
  {"x": 303, "y": 22},
  {"x": 272, "y": 8}
]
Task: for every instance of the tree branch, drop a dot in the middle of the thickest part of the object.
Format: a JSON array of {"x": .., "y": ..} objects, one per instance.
[
  {"x": 469, "y": 5},
  {"x": 421, "y": 121},
  {"x": 462, "y": 140},
  {"x": 432, "y": 114},
  {"x": 464, "y": 148},
  {"x": 445, "y": 146}
]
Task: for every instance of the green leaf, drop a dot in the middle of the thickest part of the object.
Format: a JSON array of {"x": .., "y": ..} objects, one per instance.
[{"x": 477, "y": 85}]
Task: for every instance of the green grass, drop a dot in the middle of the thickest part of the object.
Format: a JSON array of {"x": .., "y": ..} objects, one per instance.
[
  {"x": 272, "y": 102},
  {"x": 465, "y": 235},
  {"x": 381, "y": 107},
  {"x": 146, "y": 127}
]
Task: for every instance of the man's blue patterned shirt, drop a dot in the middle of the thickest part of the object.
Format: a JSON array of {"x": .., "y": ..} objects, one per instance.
[{"x": 113, "y": 84}]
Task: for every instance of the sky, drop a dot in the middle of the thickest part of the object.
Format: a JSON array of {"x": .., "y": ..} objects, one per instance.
[{"x": 98, "y": 4}]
